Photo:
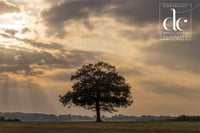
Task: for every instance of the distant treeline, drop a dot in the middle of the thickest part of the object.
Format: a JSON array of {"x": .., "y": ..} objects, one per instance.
[
  {"x": 2, "y": 119},
  {"x": 37, "y": 117},
  {"x": 188, "y": 118}
]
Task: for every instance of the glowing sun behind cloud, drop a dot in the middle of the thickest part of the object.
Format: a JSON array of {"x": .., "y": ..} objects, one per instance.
[
  {"x": 15, "y": 26},
  {"x": 14, "y": 21}
]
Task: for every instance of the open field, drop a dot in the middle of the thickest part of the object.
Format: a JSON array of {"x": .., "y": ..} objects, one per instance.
[{"x": 105, "y": 127}]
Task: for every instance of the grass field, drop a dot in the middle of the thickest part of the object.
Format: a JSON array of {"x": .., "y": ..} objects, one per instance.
[{"x": 105, "y": 127}]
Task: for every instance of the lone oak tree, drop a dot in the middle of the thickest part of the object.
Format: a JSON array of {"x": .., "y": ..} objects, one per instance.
[{"x": 98, "y": 87}]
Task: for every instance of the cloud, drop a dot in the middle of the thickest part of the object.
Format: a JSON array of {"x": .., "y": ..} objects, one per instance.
[
  {"x": 25, "y": 30},
  {"x": 54, "y": 2},
  {"x": 6, "y": 35},
  {"x": 127, "y": 12},
  {"x": 40, "y": 45},
  {"x": 18, "y": 61},
  {"x": 134, "y": 13},
  {"x": 7, "y": 7},
  {"x": 11, "y": 32},
  {"x": 142, "y": 12},
  {"x": 33, "y": 62},
  {"x": 58, "y": 15},
  {"x": 179, "y": 55},
  {"x": 137, "y": 12}
]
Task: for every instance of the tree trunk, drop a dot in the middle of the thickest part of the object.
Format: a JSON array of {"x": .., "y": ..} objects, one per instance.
[{"x": 98, "y": 114}]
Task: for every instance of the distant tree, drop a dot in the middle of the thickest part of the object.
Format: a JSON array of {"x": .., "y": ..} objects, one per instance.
[
  {"x": 98, "y": 87},
  {"x": 2, "y": 118},
  {"x": 188, "y": 118}
]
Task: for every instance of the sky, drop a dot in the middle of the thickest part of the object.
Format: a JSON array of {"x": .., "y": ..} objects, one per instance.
[{"x": 43, "y": 42}]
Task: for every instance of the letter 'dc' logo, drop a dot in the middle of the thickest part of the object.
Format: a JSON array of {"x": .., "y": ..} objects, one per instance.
[{"x": 175, "y": 23}]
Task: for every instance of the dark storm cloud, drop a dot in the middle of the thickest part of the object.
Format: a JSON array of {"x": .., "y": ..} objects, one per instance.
[
  {"x": 167, "y": 88},
  {"x": 19, "y": 61},
  {"x": 129, "y": 11},
  {"x": 27, "y": 62},
  {"x": 137, "y": 12},
  {"x": 58, "y": 15},
  {"x": 78, "y": 10},
  {"x": 7, "y": 7},
  {"x": 132, "y": 12}
]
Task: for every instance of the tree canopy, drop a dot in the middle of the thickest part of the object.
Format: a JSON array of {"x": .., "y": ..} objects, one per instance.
[{"x": 98, "y": 87}]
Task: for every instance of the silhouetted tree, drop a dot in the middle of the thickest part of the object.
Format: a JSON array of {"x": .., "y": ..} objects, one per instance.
[{"x": 98, "y": 87}]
